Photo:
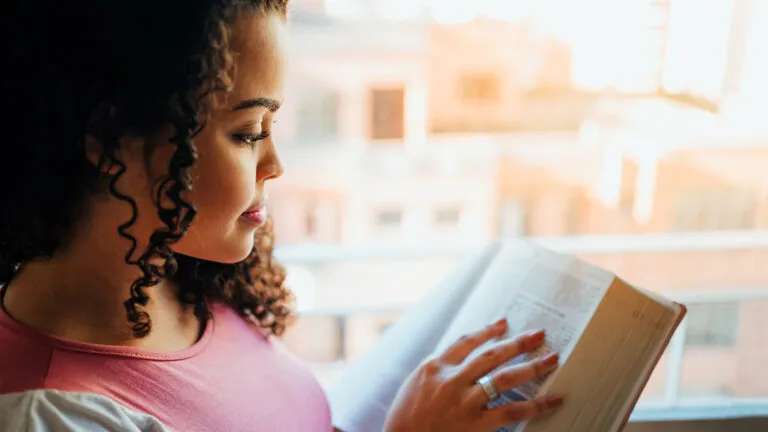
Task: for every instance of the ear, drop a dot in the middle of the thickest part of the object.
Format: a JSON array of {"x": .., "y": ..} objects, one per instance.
[
  {"x": 94, "y": 152},
  {"x": 93, "y": 140}
]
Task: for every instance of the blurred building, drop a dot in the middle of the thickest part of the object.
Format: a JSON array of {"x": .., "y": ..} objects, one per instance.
[{"x": 408, "y": 143}]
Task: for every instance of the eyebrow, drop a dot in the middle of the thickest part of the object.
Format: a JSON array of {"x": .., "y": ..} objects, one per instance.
[{"x": 270, "y": 104}]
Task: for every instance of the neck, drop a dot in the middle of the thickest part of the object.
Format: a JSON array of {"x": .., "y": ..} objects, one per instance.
[{"x": 79, "y": 294}]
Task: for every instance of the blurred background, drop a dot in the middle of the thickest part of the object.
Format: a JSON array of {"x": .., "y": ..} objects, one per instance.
[{"x": 631, "y": 133}]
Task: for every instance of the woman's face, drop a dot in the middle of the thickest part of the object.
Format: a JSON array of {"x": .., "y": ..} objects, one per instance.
[{"x": 236, "y": 155}]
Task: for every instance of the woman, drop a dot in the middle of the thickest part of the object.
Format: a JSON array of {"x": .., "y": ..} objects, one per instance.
[{"x": 135, "y": 254}]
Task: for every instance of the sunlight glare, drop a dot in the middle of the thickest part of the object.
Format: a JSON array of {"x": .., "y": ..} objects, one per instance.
[
  {"x": 453, "y": 12},
  {"x": 400, "y": 9}
]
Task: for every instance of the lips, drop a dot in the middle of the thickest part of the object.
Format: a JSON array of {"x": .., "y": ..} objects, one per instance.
[{"x": 257, "y": 216}]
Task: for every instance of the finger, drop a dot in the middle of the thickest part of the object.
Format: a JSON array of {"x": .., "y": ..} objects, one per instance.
[
  {"x": 496, "y": 355},
  {"x": 515, "y": 376},
  {"x": 458, "y": 352},
  {"x": 517, "y": 412}
]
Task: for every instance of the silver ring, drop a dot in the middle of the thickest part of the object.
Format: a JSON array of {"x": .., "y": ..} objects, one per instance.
[{"x": 486, "y": 383}]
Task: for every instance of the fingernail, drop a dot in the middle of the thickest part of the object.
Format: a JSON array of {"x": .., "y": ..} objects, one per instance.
[
  {"x": 550, "y": 359},
  {"x": 500, "y": 324},
  {"x": 536, "y": 337},
  {"x": 553, "y": 401}
]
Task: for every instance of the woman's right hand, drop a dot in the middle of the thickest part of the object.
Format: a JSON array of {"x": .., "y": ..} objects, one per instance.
[{"x": 443, "y": 395}]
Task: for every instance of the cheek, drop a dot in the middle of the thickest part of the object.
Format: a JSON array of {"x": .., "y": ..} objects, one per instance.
[{"x": 223, "y": 182}]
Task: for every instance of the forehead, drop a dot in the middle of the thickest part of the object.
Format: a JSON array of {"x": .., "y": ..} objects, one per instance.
[{"x": 259, "y": 49}]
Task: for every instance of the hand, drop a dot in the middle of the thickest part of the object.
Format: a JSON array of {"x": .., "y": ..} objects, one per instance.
[{"x": 442, "y": 395}]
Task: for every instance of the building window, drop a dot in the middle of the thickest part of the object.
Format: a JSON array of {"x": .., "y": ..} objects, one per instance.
[
  {"x": 389, "y": 218},
  {"x": 576, "y": 213},
  {"x": 513, "y": 218},
  {"x": 322, "y": 221},
  {"x": 480, "y": 88},
  {"x": 387, "y": 114},
  {"x": 715, "y": 209},
  {"x": 447, "y": 216},
  {"x": 712, "y": 324},
  {"x": 318, "y": 117},
  {"x": 310, "y": 221}
]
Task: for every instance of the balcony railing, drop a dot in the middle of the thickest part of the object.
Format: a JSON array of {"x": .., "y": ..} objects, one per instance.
[{"x": 591, "y": 244}]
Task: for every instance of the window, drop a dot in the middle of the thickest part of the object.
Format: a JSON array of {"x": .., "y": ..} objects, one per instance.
[
  {"x": 712, "y": 325},
  {"x": 480, "y": 88},
  {"x": 322, "y": 220},
  {"x": 576, "y": 214},
  {"x": 387, "y": 111},
  {"x": 513, "y": 218},
  {"x": 389, "y": 218},
  {"x": 458, "y": 134},
  {"x": 318, "y": 117},
  {"x": 723, "y": 208},
  {"x": 448, "y": 216},
  {"x": 310, "y": 221}
]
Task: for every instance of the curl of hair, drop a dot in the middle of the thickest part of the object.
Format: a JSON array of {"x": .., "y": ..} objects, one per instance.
[{"x": 109, "y": 68}]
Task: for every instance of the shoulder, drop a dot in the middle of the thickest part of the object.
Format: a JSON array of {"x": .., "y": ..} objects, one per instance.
[
  {"x": 45, "y": 410},
  {"x": 24, "y": 362}
]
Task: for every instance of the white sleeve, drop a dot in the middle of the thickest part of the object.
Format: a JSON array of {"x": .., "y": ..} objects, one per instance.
[{"x": 54, "y": 410}]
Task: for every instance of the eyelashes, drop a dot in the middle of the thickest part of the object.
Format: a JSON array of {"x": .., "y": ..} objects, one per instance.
[{"x": 250, "y": 139}]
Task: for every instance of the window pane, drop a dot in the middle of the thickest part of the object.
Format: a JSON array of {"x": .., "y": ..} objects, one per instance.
[
  {"x": 656, "y": 388},
  {"x": 389, "y": 218},
  {"x": 512, "y": 218},
  {"x": 724, "y": 346},
  {"x": 712, "y": 325},
  {"x": 480, "y": 88},
  {"x": 417, "y": 131},
  {"x": 318, "y": 118},
  {"x": 387, "y": 113},
  {"x": 448, "y": 216},
  {"x": 716, "y": 209}
]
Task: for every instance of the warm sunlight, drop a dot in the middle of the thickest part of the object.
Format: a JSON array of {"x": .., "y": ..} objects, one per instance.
[
  {"x": 574, "y": 188},
  {"x": 450, "y": 12},
  {"x": 630, "y": 133}
]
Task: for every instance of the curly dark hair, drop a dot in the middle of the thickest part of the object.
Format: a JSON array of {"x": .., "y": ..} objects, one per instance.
[{"x": 110, "y": 68}]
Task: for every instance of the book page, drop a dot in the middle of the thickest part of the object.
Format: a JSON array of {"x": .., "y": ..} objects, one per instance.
[
  {"x": 610, "y": 363},
  {"x": 534, "y": 288},
  {"x": 607, "y": 333},
  {"x": 361, "y": 398}
]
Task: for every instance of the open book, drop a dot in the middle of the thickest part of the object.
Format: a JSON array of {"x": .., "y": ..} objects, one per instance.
[{"x": 609, "y": 334}]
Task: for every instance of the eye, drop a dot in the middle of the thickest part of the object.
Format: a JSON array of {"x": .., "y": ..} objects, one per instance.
[{"x": 250, "y": 139}]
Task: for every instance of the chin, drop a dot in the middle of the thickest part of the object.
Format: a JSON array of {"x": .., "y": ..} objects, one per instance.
[
  {"x": 234, "y": 254},
  {"x": 224, "y": 253}
]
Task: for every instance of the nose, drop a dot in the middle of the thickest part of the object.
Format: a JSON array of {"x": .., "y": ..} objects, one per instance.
[{"x": 269, "y": 167}]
